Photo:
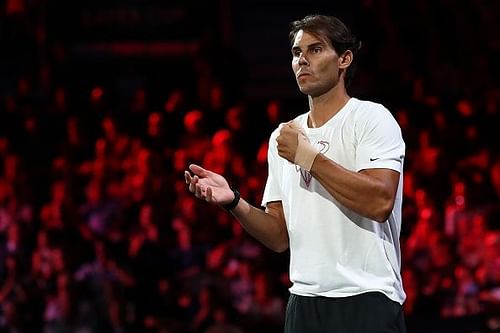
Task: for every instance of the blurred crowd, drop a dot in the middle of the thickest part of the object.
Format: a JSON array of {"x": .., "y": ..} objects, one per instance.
[{"x": 98, "y": 232}]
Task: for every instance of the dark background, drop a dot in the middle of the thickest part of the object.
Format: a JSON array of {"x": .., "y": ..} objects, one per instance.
[{"x": 103, "y": 104}]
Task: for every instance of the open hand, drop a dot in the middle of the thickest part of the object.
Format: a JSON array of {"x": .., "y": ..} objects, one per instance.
[{"x": 208, "y": 185}]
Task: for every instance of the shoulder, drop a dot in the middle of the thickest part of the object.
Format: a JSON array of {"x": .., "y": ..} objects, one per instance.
[
  {"x": 369, "y": 108},
  {"x": 368, "y": 113}
]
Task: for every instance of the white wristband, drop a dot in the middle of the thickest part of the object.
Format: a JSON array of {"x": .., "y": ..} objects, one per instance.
[{"x": 306, "y": 153}]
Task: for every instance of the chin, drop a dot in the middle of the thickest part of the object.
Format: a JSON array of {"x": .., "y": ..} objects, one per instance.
[
  {"x": 309, "y": 92},
  {"x": 306, "y": 90},
  {"x": 315, "y": 91}
]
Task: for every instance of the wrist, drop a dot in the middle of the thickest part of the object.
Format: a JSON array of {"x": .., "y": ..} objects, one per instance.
[
  {"x": 230, "y": 206},
  {"x": 305, "y": 154}
]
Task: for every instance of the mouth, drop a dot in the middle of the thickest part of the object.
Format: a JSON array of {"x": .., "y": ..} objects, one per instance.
[{"x": 301, "y": 75}]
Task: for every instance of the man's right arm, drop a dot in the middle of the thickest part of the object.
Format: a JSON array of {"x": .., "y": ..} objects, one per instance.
[{"x": 268, "y": 227}]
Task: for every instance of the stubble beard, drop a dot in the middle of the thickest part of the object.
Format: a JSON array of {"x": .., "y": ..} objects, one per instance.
[{"x": 318, "y": 90}]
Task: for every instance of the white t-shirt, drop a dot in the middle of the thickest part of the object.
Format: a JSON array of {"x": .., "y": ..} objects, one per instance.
[{"x": 335, "y": 252}]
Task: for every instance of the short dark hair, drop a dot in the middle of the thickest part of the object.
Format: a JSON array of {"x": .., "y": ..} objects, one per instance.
[{"x": 339, "y": 35}]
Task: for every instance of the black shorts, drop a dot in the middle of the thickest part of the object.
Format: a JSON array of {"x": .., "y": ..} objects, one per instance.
[{"x": 371, "y": 312}]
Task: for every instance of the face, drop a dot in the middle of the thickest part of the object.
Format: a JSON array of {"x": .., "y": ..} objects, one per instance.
[{"x": 315, "y": 64}]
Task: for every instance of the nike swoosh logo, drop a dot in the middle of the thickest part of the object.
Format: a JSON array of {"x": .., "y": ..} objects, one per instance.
[{"x": 374, "y": 159}]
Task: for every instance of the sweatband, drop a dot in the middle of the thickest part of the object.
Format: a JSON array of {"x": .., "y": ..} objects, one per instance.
[{"x": 305, "y": 153}]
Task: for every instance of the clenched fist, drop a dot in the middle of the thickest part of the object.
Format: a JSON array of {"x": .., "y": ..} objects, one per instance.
[{"x": 294, "y": 146}]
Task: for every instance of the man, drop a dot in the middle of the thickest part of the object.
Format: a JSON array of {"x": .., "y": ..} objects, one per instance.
[{"x": 333, "y": 194}]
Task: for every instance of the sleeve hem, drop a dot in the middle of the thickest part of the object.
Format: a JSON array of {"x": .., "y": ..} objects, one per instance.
[
  {"x": 265, "y": 201},
  {"x": 393, "y": 165}
]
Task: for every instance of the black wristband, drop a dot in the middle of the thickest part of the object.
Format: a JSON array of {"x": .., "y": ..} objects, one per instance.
[{"x": 230, "y": 206}]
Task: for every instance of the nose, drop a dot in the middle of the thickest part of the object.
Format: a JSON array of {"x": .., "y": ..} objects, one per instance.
[{"x": 303, "y": 60}]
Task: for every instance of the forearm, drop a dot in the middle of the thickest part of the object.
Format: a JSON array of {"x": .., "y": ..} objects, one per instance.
[
  {"x": 268, "y": 229},
  {"x": 367, "y": 196}
]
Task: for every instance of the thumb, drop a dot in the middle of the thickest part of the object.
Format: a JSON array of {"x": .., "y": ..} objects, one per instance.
[
  {"x": 198, "y": 170},
  {"x": 294, "y": 124}
]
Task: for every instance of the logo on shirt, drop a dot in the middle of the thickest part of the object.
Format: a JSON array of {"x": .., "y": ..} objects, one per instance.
[
  {"x": 374, "y": 159},
  {"x": 323, "y": 147}
]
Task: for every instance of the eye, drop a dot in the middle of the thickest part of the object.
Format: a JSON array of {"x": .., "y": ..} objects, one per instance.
[
  {"x": 316, "y": 50},
  {"x": 296, "y": 53}
]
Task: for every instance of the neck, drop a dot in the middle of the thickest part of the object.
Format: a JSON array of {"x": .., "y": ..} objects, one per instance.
[{"x": 324, "y": 107}]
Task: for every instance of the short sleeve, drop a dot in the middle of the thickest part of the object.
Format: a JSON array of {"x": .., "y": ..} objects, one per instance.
[
  {"x": 379, "y": 141},
  {"x": 272, "y": 191}
]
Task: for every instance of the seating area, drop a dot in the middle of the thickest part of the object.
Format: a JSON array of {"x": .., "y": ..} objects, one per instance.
[{"x": 98, "y": 232}]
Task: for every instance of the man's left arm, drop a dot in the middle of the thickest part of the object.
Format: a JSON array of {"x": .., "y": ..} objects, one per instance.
[{"x": 369, "y": 192}]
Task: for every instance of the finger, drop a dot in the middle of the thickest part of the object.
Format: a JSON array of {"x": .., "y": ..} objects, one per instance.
[
  {"x": 195, "y": 180},
  {"x": 285, "y": 134},
  {"x": 187, "y": 177},
  {"x": 294, "y": 124},
  {"x": 278, "y": 139},
  {"x": 198, "y": 170},
  {"x": 196, "y": 190},
  {"x": 192, "y": 185},
  {"x": 209, "y": 196},
  {"x": 286, "y": 130},
  {"x": 199, "y": 193}
]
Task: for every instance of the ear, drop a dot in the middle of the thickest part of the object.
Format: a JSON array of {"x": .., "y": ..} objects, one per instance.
[{"x": 345, "y": 59}]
